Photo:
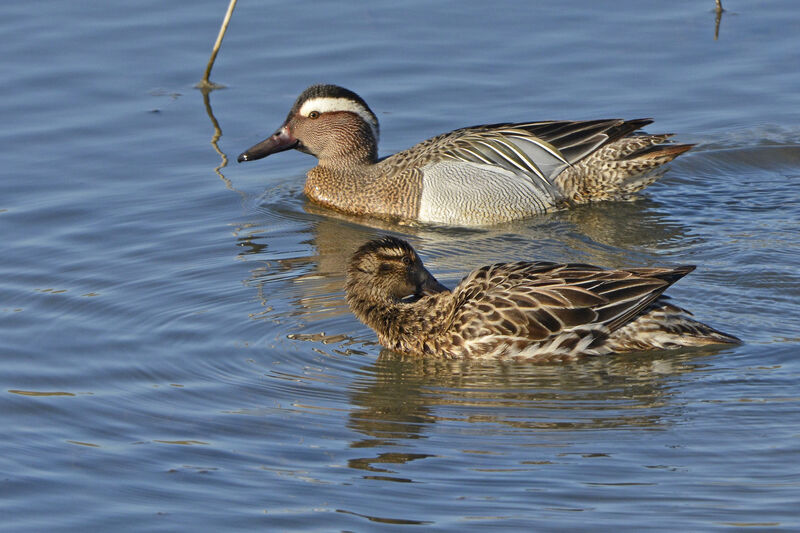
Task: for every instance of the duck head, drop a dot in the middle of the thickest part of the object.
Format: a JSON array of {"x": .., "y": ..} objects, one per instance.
[
  {"x": 389, "y": 269},
  {"x": 327, "y": 121}
]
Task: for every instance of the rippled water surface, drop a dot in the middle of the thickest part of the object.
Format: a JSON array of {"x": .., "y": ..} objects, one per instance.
[{"x": 175, "y": 351}]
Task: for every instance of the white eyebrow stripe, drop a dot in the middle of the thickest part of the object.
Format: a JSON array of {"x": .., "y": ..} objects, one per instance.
[{"x": 325, "y": 104}]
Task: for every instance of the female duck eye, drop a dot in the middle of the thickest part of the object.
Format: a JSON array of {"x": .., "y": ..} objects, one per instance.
[
  {"x": 406, "y": 260},
  {"x": 313, "y": 114}
]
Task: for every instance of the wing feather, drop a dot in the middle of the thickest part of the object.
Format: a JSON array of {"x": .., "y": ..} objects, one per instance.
[
  {"x": 539, "y": 150},
  {"x": 541, "y": 300}
]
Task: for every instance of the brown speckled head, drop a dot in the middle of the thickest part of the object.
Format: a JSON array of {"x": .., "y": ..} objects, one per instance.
[
  {"x": 389, "y": 268},
  {"x": 337, "y": 97},
  {"x": 328, "y": 122}
]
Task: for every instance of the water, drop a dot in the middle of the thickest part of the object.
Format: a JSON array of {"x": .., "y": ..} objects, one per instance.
[{"x": 175, "y": 352}]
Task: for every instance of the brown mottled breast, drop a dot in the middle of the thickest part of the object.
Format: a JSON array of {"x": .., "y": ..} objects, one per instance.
[
  {"x": 391, "y": 188},
  {"x": 366, "y": 190}
]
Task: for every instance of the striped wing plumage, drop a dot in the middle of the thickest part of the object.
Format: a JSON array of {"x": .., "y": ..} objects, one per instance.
[
  {"x": 567, "y": 306},
  {"x": 539, "y": 150}
]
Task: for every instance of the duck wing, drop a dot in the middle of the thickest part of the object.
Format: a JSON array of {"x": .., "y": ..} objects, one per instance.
[
  {"x": 537, "y": 149},
  {"x": 499, "y": 172},
  {"x": 541, "y": 300}
]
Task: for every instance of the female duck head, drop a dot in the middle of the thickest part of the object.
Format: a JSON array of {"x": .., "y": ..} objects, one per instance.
[{"x": 388, "y": 269}]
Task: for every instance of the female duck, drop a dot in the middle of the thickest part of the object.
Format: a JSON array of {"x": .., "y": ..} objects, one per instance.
[
  {"x": 468, "y": 177},
  {"x": 537, "y": 310}
]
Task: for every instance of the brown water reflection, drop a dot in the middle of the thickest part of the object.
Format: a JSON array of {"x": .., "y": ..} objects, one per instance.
[
  {"x": 399, "y": 399},
  {"x": 312, "y": 279}
]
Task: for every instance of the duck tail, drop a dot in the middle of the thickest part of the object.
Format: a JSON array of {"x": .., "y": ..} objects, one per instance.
[
  {"x": 620, "y": 168},
  {"x": 665, "y": 326}
]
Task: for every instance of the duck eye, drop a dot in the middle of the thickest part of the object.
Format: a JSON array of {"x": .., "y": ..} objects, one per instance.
[
  {"x": 406, "y": 260},
  {"x": 313, "y": 114}
]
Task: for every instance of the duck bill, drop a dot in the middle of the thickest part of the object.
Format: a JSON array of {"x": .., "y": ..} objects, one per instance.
[
  {"x": 429, "y": 285},
  {"x": 278, "y": 142}
]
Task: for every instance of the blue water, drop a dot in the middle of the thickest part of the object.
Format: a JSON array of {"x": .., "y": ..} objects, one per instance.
[{"x": 175, "y": 351}]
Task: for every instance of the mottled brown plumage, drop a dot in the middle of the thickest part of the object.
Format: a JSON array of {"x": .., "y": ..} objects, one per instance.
[
  {"x": 537, "y": 310},
  {"x": 470, "y": 176}
]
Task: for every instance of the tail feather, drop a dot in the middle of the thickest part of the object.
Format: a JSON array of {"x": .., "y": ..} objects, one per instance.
[
  {"x": 620, "y": 168},
  {"x": 670, "y": 275},
  {"x": 663, "y": 326},
  {"x": 660, "y": 151}
]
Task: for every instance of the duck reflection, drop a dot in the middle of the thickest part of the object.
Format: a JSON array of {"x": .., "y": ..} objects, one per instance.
[
  {"x": 305, "y": 266},
  {"x": 399, "y": 399}
]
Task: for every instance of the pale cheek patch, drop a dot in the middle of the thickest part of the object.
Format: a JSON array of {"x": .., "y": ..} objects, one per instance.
[{"x": 324, "y": 105}]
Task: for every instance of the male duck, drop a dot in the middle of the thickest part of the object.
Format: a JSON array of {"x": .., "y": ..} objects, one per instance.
[
  {"x": 470, "y": 176},
  {"x": 537, "y": 310}
]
